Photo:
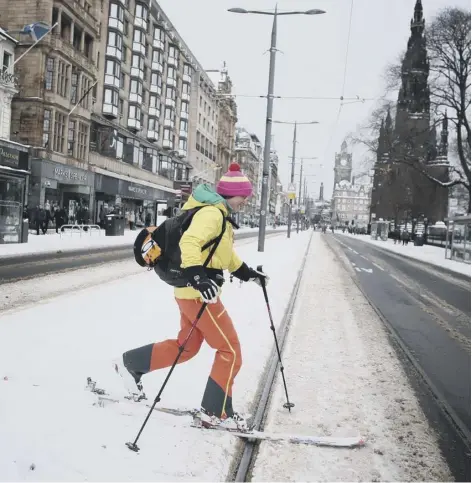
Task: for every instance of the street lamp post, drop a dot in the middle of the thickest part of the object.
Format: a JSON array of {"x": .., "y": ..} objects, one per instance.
[{"x": 270, "y": 104}]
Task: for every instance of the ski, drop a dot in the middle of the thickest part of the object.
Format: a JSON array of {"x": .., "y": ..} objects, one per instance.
[{"x": 330, "y": 441}]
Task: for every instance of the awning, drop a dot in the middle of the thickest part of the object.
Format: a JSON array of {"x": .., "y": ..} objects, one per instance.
[
  {"x": 19, "y": 171},
  {"x": 111, "y": 174}
]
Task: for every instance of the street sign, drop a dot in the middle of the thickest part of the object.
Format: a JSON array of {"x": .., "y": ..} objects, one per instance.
[{"x": 292, "y": 191}]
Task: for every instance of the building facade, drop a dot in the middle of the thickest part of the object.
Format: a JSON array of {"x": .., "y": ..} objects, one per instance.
[
  {"x": 118, "y": 111},
  {"x": 227, "y": 119},
  {"x": 409, "y": 145},
  {"x": 248, "y": 153},
  {"x": 14, "y": 157},
  {"x": 351, "y": 204},
  {"x": 203, "y": 135}
]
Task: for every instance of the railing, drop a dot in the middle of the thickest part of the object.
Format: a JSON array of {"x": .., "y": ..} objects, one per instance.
[
  {"x": 80, "y": 229},
  {"x": 8, "y": 79}
]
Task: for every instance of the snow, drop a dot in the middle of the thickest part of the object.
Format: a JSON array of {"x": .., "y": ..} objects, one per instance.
[
  {"x": 345, "y": 380},
  {"x": 53, "y": 243},
  {"x": 426, "y": 253},
  {"x": 85, "y": 319}
]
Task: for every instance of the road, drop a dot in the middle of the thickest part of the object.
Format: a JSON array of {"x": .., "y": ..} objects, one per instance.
[
  {"x": 13, "y": 269},
  {"x": 429, "y": 309}
]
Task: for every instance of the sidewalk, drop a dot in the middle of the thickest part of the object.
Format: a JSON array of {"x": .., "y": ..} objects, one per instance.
[
  {"x": 53, "y": 242},
  {"x": 426, "y": 253},
  {"x": 345, "y": 379}
]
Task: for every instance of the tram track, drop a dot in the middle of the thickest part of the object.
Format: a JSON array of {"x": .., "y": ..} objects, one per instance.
[{"x": 245, "y": 458}]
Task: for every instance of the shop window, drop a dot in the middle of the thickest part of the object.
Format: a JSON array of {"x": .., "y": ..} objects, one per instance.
[
  {"x": 47, "y": 128},
  {"x": 82, "y": 141},
  {"x": 49, "y": 77},
  {"x": 59, "y": 132},
  {"x": 71, "y": 138},
  {"x": 74, "y": 87}
]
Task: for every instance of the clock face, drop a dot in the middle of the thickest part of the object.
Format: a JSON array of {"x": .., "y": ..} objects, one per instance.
[{"x": 343, "y": 162}]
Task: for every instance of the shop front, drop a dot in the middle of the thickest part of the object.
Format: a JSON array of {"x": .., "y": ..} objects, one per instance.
[
  {"x": 58, "y": 185},
  {"x": 140, "y": 204},
  {"x": 14, "y": 172}
]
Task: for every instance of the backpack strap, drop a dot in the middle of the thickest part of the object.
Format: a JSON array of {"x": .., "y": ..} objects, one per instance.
[{"x": 215, "y": 242}]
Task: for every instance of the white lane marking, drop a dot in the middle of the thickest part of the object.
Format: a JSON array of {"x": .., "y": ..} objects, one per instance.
[
  {"x": 358, "y": 269},
  {"x": 365, "y": 258},
  {"x": 349, "y": 248},
  {"x": 353, "y": 264},
  {"x": 368, "y": 270},
  {"x": 378, "y": 266},
  {"x": 354, "y": 251}
]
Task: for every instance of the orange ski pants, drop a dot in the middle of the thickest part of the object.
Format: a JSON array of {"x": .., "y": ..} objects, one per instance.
[{"x": 216, "y": 328}]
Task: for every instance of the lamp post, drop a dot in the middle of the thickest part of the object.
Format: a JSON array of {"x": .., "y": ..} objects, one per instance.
[
  {"x": 270, "y": 103},
  {"x": 292, "y": 174}
]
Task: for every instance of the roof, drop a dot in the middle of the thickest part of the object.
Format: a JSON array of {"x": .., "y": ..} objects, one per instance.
[{"x": 3, "y": 33}]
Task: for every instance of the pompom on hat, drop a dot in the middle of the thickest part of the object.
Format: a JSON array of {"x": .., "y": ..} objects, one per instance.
[{"x": 234, "y": 183}]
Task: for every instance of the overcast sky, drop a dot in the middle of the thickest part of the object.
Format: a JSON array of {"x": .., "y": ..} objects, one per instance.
[{"x": 311, "y": 64}]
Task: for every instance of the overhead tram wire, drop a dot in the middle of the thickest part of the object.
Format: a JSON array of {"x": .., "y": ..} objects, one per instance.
[{"x": 342, "y": 99}]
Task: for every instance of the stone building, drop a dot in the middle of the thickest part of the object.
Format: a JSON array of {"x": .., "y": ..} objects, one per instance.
[
  {"x": 409, "y": 145},
  {"x": 351, "y": 204},
  {"x": 248, "y": 154}
]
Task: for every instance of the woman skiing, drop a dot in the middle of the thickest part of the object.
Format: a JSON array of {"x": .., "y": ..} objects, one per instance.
[{"x": 215, "y": 325}]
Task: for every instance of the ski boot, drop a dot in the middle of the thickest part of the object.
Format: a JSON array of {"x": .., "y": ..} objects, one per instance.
[
  {"x": 236, "y": 422},
  {"x": 131, "y": 381}
]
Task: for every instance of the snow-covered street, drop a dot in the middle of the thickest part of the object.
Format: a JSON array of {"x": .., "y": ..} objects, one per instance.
[
  {"x": 342, "y": 374},
  {"x": 47, "y": 350}
]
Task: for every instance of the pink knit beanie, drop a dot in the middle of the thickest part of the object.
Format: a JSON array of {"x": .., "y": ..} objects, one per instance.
[{"x": 234, "y": 183}]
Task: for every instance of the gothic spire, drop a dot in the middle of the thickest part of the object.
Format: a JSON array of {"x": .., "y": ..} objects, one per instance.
[
  {"x": 417, "y": 22},
  {"x": 381, "y": 144}
]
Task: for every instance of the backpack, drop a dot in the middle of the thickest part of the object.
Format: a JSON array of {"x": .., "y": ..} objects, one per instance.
[{"x": 158, "y": 247}]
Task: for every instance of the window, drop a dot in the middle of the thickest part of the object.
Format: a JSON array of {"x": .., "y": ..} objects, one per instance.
[
  {"x": 82, "y": 141},
  {"x": 111, "y": 97},
  {"x": 156, "y": 79},
  {"x": 165, "y": 164},
  {"x": 154, "y": 101},
  {"x": 159, "y": 34},
  {"x": 137, "y": 61},
  {"x": 113, "y": 68},
  {"x": 184, "y": 125},
  {"x": 187, "y": 69},
  {"x": 201, "y": 101},
  {"x": 183, "y": 144},
  {"x": 139, "y": 36},
  {"x": 170, "y": 92},
  {"x": 171, "y": 74},
  {"x": 116, "y": 11},
  {"x": 184, "y": 106},
  {"x": 119, "y": 147},
  {"x": 7, "y": 57},
  {"x": 126, "y": 28},
  {"x": 136, "y": 87},
  {"x": 47, "y": 128},
  {"x": 134, "y": 113},
  {"x": 141, "y": 11},
  {"x": 124, "y": 54},
  {"x": 121, "y": 107},
  {"x": 73, "y": 87},
  {"x": 172, "y": 51},
  {"x": 185, "y": 88},
  {"x": 153, "y": 124},
  {"x": 59, "y": 132},
  {"x": 157, "y": 56},
  {"x": 169, "y": 113},
  {"x": 49, "y": 77},
  {"x": 85, "y": 92},
  {"x": 115, "y": 40},
  {"x": 71, "y": 138},
  {"x": 122, "y": 80}
]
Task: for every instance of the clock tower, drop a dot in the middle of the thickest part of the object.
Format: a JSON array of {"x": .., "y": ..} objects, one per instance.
[{"x": 342, "y": 165}]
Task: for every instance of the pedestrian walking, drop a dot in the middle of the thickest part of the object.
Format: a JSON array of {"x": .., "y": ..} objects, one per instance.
[{"x": 203, "y": 285}]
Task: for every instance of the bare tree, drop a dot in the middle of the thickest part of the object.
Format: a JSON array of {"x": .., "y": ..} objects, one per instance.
[{"x": 448, "y": 42}]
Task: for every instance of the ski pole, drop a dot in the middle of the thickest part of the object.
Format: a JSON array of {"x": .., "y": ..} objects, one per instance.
[
  {"x": 288, "y": 405},
  {"x": 133, "y": 446}
]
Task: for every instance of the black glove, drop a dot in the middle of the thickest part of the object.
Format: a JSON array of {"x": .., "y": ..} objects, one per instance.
[
  {"x": 199, "y": 280},
  {"x": 247, "y": 274}
]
